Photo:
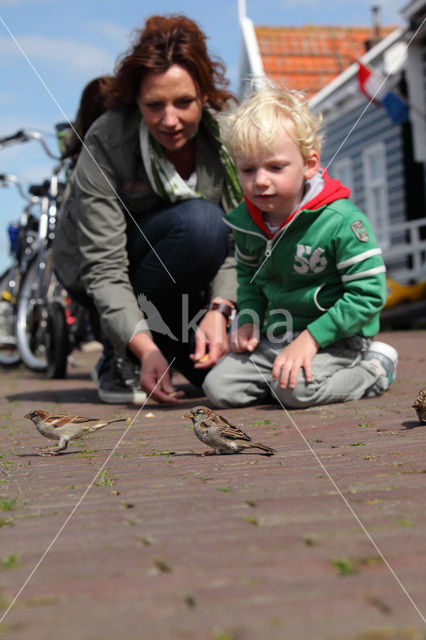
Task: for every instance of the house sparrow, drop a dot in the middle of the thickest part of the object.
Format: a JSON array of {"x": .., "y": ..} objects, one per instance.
[
  {"x": 420, "y": 405},
  {"x": 65, "y": 427},
  {"x": 219, "y": 434}
]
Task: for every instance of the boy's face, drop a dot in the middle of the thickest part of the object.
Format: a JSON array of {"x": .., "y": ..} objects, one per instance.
[{"x": 275, "y": 182}]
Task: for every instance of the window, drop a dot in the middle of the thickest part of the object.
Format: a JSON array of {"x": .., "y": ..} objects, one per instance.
[
  {"x": 342, "y": 170},
  {"x": 377, "y": 206}
]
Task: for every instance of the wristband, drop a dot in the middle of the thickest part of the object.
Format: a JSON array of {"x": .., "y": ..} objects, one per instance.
[{"x": 225, "y": 309}]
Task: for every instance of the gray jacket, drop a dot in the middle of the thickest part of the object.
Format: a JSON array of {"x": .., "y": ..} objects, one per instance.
[{"x": 90, "y": 245}]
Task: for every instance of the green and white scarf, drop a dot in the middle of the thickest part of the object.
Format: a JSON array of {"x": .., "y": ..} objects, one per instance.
[{"x": 167, "y": 182}]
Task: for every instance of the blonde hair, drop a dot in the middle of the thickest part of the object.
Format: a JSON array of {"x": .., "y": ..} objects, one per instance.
[{"x": 254, "y": 126}]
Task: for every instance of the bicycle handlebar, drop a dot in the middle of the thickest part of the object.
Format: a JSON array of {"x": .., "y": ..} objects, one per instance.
[
  {"x": 15, "y": 136},
  {"x": 7, "y": 179},
  {"x": 24, "y": 136}
]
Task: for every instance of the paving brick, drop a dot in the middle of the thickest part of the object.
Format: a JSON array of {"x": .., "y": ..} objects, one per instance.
[{"x": 324, "y": 541}]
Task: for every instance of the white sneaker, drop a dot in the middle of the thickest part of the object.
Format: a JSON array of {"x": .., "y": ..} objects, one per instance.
[{"x": 386, "y": 355}]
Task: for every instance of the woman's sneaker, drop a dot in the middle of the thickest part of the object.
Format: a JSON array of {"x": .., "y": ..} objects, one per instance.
[
  {"x": 117, "y": 381},
  {"x": 386, "y": 356}
]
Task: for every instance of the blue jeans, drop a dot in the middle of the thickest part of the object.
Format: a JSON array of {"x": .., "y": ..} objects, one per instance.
[{"x": 191, "y": 241}]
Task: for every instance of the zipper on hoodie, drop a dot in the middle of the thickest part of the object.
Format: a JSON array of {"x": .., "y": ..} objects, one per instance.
[
  {"x": 269, "y": 241},
  {"x": 279, "y": 234},
  {"x": 268, "y": 249}
]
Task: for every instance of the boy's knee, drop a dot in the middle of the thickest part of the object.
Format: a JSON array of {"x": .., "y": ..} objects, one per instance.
[
  {"x": 301, "y": 397},
  {"x": 216, "y": 391}
]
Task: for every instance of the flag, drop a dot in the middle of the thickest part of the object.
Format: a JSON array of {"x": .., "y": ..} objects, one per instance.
[{"x": 373, "y": 85}]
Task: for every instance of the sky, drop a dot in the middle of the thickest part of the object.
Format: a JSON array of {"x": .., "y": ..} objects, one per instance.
[{"x": 49, "y": 50}]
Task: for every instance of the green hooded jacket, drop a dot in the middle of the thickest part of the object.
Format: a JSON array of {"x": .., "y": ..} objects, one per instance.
[{"x": 322, "y": 270}]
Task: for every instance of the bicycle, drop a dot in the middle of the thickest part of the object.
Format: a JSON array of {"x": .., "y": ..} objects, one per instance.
[
  {"x": 41, "y": 325},
  {"x": 22, "y": 237}
]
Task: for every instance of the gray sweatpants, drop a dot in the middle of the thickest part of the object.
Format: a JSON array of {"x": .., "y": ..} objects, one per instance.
[{"x": 339, "y": 374}]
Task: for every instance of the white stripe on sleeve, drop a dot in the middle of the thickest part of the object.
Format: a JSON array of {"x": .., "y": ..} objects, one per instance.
[{"x": 359, "y": 258}]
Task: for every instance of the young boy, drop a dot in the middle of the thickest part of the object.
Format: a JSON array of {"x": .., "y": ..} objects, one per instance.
[{"x": 311, "y": 278}]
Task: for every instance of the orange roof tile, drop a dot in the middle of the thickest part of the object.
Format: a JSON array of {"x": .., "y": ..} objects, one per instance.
[{"x": 307, "y": 58}]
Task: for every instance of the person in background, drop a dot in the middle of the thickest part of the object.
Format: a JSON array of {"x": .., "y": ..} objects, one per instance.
[
  {"x": 70, "y": 137},
  {"x": 311, "y": 278},
  {"x": 141, "y": 234}
]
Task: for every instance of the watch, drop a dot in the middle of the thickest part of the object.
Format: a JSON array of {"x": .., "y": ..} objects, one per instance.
[{"x": 225, "y": 309}]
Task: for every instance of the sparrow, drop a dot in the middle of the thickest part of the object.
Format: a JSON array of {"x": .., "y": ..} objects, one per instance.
[
  {"x": 65, "y": 427},
  {"x": 420, "y": 405},
  {"x": 220, "y": 435}
]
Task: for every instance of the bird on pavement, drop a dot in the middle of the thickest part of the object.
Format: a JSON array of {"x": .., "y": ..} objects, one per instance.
[
  {"x": 420, "y": 405},
  {"x": 65, "y": 427},
  {"x": 220, "y": 435}
]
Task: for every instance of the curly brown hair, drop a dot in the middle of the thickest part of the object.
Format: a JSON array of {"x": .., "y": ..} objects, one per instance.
[{"x": 161, "y": 43}]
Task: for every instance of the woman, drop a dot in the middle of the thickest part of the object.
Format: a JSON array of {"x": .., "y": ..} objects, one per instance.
[{"x": 141, "y": 227}]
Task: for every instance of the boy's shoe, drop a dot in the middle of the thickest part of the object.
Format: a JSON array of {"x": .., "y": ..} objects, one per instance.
[
  {"x": 386, "y": 356},
  {"x": 117, "y": 381}
]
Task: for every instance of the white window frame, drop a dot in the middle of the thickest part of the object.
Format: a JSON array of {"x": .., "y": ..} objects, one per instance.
[
  {"x": 376, "y": 188},
  {"x": 342, "y": 169}
]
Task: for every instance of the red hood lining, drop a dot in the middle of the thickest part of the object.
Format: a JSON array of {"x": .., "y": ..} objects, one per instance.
[{"x": 332, "y": 190}]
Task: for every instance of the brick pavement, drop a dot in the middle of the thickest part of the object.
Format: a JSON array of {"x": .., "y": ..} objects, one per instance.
[{"x": 323, "y": 541}]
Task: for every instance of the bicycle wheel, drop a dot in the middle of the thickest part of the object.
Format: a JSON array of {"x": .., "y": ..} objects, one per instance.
[
  {"x": 57, "y": 347},
  {"x": 31, "y": 321},
  {"x": 9, "y": 355}
]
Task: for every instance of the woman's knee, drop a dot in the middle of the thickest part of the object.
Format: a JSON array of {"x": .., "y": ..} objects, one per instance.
[
  {"x": 191, "y": 241},
  {"x": 203, "y": 225}
]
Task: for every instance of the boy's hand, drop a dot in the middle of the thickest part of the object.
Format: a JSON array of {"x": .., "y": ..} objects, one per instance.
[
  {"x": 245, "y": 338},
  {"x": 297, "y": 354}
]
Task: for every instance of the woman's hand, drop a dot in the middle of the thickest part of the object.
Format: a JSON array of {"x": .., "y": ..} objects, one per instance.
[
  {"x": 292, "y": 358},
  {"x": 245, "y": 338},
  {"x": 154, "y": 376},
  {"x": 211, "y": 334}
]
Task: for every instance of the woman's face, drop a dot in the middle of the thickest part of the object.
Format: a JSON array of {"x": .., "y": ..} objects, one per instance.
[{"x": 171, "y": 106}]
